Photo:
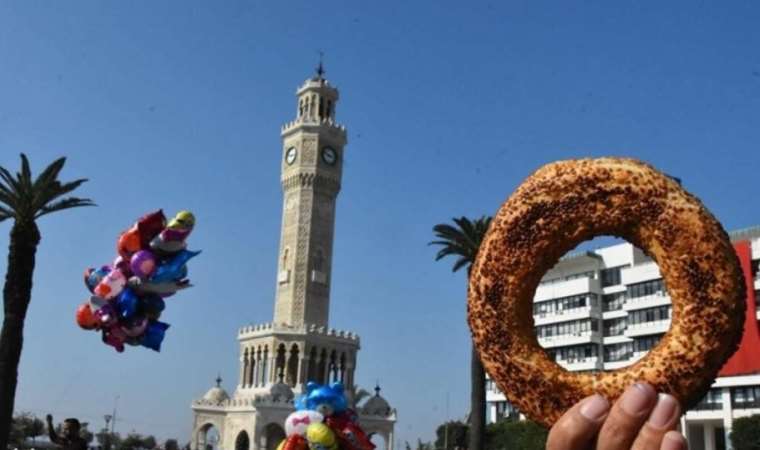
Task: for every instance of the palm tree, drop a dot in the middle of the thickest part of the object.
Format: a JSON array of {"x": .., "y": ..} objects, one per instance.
[
  {"x": 24, "y": 200},
  {"x": 463, "y": 241}
]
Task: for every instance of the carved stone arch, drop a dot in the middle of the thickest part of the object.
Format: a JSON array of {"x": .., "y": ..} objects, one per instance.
[
  {"x": 207, "y": 435},
  {"x": 242, "y": 441},
  {"x": 291, "y": 374}
]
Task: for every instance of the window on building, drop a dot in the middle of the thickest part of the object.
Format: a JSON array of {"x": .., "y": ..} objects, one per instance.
[
  {"x": 570, "y": 328},
  {"x": 576, "y": 352},
  {"x": 649, "y": 315},
  {"x": 610, "y": 277},
  {"x": 615, "y": 327},
  {"x": 613, "y": 302},
  {"x": 618, "y": 352},
  {"x": 565, "y": 304},
  {"x": 646, "y": 288},
  {"x": 712, "y": 401},
  {"x": 645, "y": 343},
  {"x": 745, "y": 397}
]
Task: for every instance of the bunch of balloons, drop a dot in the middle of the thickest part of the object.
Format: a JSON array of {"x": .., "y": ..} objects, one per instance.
[
  {"x": 322, "y": 421},
  {"x": 128, "y": 295}
]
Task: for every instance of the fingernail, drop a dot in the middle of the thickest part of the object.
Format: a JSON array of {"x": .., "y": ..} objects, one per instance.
[
  {"x": 638, "y": 398},
  {"x": 673, "y": 441},
  {"x": 663, "y": 413},
  {"x": 595, "y": 407}
]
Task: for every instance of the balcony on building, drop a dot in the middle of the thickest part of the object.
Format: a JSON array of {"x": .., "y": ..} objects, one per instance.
[
  {"x": 564, "y": 340},
  {"x": 576, "y": 364},
  {"x": 565, "y": 309},
  {"x": 574, "y": 274}
]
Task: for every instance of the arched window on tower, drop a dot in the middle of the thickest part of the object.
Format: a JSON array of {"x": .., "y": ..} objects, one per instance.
[
  {"x": 264, "y": 366},
  {"x": 342, "y": 367},
  {"x": 311, "y": 373},
  {"x": 300, "y": 108},
  {"x": 322, "y": 367},
  {"x": 249, "y": 374},
  {"x": 321, "y": 108},
  {"x": 244, "y": 375},
  {"x": 329, "y": 109},
  {"x": 333, "y": 368},
  {"x": 291, "y": 376},
  {"x": 279, "y": 371}
]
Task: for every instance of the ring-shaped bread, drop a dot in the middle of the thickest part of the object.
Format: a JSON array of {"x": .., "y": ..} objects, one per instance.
[{"x": 565, "y": 203}]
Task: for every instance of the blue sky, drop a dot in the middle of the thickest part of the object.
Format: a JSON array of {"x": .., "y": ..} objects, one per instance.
[{"x": 448, "y": 105}]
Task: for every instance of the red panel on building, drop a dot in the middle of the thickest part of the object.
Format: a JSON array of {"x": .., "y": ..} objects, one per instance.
[{"x": 746, "y": 360}]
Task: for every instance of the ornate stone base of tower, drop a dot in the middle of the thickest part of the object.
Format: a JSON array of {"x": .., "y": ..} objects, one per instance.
[{"x": 276, "y": 363}]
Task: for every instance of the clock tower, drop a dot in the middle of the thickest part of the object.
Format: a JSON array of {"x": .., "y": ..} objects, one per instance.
[
  {"x": 312, "y": 163},
  {"x": 279, "y": 358}
]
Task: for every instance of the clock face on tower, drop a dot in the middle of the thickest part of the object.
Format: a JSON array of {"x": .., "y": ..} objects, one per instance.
[
  {"x": 329, "y": 156},
  {"x": 290, "y": 155}
]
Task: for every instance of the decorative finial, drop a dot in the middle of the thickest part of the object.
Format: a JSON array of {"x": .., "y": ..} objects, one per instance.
[
  {"x": 280, "y": 376},
  {"x": 377, "y": 389},
  {"x": 320, "y": 67},
  {"x": 219, "y": 380}
]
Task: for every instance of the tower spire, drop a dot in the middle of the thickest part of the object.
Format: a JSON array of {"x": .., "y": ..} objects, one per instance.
[{"x": 321, "y": 67}]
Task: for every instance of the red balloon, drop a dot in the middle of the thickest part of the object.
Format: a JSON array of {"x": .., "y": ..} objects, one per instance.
[
  {"x": 129, "y": 243},
  {"x": 86, "y": 318},
  {"x": 296, "y": 442},
  {"x": 149, "y": 226}
]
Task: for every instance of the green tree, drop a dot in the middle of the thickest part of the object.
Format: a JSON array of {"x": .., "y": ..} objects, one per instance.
[
  {"x": 509, "y": 434},
  {"x": 133, "y": 441},
  {"x": 85, "y": 433},
  {"x": 451, "y": 435},
  {"x": 462, "y": 240},
  {"x": 745, "y": 433},
  {"x": 149, "y": 442},
  {"x": 24, "y": 200},
  {"x": 108, "y": 440},
  {"x": 31, "y": 426},
  {"x": 171, "y": 444}
]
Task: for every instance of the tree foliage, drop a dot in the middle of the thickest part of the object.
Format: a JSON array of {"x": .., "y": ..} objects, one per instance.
[
  {"x": 515, "y": 434},
  {"x": 452, "y": 435},
  {"x": 171, "y": 444},
  {"x": 745, "y": 433}
]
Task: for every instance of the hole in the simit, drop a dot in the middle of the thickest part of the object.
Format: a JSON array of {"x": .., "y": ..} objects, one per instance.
[{"x": 603, "y": 306}]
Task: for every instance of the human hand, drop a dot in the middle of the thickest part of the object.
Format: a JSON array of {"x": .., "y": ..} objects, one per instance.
[{"x": 639, "y": 420}]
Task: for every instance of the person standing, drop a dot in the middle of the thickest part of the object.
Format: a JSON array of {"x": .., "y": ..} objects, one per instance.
[{"x": 70, "y": 438}]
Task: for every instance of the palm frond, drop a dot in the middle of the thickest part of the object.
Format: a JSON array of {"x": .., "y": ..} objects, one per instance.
[
  {"x": 462, "y": 239},
  {"x": 10, "y": 182},
  {"x": 53, "y": 190},
  {"x": 50, "y": 173},
  {"x": 66, "y": 203},
  {"x": 5, "y": 213},
  {"x": 25, "y": 177},
  {"x": 461, "y": 262}
]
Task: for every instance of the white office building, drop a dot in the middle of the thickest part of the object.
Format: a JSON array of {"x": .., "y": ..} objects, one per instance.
[{"x": 604, "y": 309}]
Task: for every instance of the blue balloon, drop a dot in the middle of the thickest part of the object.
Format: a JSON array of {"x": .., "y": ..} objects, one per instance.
[
  {"x": 127, "y": 303},
  {"x": 173, "y": 269},
  {"x": 154, "y": 335},
  {"x": 318, "y": 396},
  {"x": 152, "y": 306}
]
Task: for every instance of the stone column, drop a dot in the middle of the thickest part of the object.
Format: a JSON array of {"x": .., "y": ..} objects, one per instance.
[
  {"x": 728, "y": 415},
  {"x": 709, "y": 435},
  {"x": 242, "y": 370}
]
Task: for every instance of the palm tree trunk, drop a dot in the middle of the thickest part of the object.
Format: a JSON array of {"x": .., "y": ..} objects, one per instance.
[
  {"x": 477, "y": 402},
  {"x": 16, "y": 295}
]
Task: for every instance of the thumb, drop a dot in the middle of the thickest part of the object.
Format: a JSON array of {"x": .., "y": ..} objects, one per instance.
[{"x": 577, "y": 428}]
